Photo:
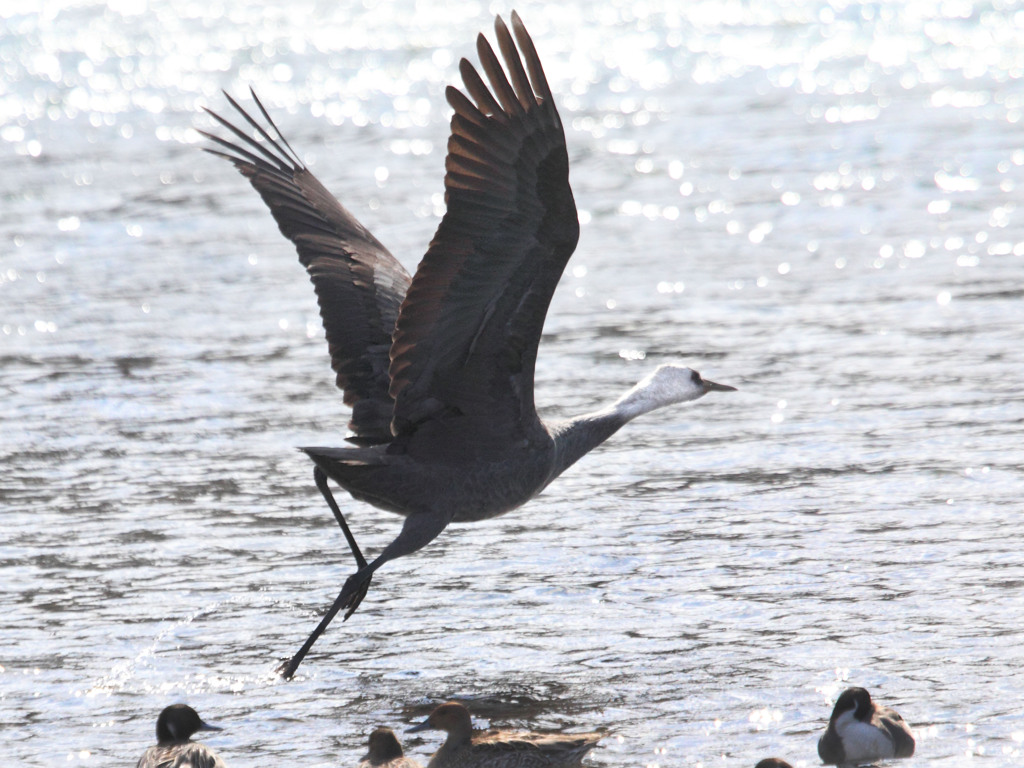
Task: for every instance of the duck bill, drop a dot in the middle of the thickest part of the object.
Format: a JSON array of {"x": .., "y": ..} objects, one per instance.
[
  {"x": 710, "y": 386},
  {"x": 424, "y": 726},
  {"x": 208, "y": 727}
]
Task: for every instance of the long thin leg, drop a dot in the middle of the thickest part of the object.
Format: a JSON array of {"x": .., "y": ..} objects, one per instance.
[
  {"x": 288, "y": 669},
  {"x": 320, "y": 478},
  {"x": 418, "y": 530}
]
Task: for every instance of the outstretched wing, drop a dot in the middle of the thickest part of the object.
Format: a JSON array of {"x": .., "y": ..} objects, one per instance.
[
  {"x": 466, "y": 341},
  {"x": 359, "y": 284}
]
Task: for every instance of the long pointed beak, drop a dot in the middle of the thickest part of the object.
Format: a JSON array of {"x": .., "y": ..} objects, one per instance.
[
  {"x": 710, "y": 386},
  {"x": 424, "y": 726},
  {"x": 208, "y": 727}
]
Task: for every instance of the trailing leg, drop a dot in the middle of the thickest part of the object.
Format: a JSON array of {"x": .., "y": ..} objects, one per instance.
[
  {"x": 419, "y": 529},
  {"x": 320, "y": 478}
]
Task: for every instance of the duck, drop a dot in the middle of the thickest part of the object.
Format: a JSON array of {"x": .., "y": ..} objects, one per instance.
[
  {"x": 773, "y": 762},
  {"x": 385, "y": 751},
  {"x": 174, "y": 747},
  {"x": 500, "y": 749},
  {"x": 861, "y": 731}
]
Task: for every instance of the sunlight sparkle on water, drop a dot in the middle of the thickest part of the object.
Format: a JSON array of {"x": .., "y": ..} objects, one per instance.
[
  {"x": 858, "y": 162},
  {"x": 765, "y": 717}
]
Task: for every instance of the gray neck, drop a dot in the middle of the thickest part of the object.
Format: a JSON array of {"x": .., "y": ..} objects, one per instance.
[{"x": 577, "y": 437}]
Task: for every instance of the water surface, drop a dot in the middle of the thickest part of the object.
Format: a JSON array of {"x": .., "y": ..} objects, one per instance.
[{"x": 814, "y": 202}]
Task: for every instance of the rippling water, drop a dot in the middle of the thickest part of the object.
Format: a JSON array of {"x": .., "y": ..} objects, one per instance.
[{"x": 816, "y": 202}]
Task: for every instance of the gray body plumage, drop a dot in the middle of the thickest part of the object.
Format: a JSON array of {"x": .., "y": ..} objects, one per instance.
[
  {"x": 463, "y": 491},
  {"x": 192, "y": 755},
  {"x": 465, "y": 487}
]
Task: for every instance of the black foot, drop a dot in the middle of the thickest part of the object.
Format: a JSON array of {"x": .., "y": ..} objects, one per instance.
[
  {"x": 359, "y": 591},
  {"x": 349, "y": 598}
]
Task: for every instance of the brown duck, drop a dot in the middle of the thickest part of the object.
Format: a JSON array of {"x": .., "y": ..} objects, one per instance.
[
  {"x": 501, "y": 749},
  {"x": 385, "y": 751}
]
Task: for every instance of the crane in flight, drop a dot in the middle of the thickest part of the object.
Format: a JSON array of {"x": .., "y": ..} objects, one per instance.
[{"x": 439, "y": 368}]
